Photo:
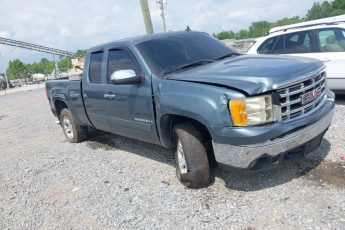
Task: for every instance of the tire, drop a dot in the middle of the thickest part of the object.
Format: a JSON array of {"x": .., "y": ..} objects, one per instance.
[
  {"x": 74, "y": 133},
  {"x": 192, "y": 166}
]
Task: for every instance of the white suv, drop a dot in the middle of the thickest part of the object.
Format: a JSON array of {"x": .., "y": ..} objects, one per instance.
[{"x": 322, "y": 39}]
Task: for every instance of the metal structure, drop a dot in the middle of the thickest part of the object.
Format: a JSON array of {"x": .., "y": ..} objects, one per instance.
[
  {"x": 147, "y": 16},
  {"x": 162, "y": 6},
  {"x": 30, "y": 46}
]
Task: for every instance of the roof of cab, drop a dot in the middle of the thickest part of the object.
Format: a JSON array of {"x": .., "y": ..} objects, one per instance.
[{"x": 140, "y": 39}]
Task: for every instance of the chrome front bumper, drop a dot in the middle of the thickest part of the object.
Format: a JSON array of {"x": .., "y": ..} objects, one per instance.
[{"x": 242, "y": 156}]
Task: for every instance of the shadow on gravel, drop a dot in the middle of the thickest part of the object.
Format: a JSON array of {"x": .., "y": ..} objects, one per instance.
[
  {"x": 312, "y": 167},
  {"x": 111, "y": 142},
  {"x": 340, "y": 99},
  {"x": 2, "y": 117}
]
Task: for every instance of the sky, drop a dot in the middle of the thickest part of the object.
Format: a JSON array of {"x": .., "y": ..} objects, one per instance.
[{"x": 80, "y": 24}]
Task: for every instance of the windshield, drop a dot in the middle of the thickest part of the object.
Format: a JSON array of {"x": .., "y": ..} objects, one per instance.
[{"x": 167, "y": 53}]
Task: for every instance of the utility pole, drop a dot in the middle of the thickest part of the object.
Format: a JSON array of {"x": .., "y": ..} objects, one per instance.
[
  {"x": 56, "y": 67},
  {"x": 8, "y": 85},
  {"x": 2, "y": 64},
  {"x": 162, "y": 7},
  {"x": 147, "y": 16}
]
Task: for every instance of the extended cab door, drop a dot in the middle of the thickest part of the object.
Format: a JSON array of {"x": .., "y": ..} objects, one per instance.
[
  {"x": 92, "y": 89},
  {"x": 128, "y": 107}
]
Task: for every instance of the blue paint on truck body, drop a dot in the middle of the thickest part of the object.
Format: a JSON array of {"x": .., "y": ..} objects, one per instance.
[{"x": 200, "y": 93}]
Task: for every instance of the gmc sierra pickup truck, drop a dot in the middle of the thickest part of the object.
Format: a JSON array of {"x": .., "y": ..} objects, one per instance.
[{"x": 189, "y": 92}]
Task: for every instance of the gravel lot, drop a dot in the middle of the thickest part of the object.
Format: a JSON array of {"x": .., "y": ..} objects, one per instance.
[
  {"x": 112, "y": 182},
  {"x": 22, "y": 88}
]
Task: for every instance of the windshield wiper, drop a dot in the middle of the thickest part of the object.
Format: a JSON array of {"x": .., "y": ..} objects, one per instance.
[
  {"x": 226, "y": 56},
  {"x": 201, "y": 62}
]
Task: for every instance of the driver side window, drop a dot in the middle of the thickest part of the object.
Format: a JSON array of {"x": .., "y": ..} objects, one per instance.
[{"x": 120, "y": 59}]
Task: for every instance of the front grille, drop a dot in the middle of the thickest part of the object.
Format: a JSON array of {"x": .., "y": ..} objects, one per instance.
[{"x": 291, "y": 97}]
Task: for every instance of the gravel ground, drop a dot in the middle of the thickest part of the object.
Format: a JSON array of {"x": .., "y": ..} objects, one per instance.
[
  {"x": 112, "y": 182},
  {"x": 22, "y": 88}
]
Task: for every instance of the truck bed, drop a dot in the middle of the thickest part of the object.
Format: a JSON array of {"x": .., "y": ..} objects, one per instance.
[{"x": 68, "y": 92}]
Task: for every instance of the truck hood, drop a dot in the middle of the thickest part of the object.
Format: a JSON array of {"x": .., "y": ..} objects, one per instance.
[{"x": 252, "y": 74}]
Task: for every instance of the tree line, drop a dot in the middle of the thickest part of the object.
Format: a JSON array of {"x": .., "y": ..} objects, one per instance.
[
  {"x": 259, "y": 29},
  {"x": 18, "y": 69}
]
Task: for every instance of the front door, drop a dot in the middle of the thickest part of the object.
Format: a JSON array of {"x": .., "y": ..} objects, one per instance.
[{"x": 129, "y": 107}]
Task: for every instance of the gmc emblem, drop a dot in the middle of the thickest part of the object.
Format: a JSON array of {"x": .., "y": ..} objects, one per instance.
[{"x": 310, "y": 96}]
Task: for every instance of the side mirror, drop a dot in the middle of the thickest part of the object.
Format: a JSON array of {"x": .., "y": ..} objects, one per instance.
[{"x": 126, "y": 76}]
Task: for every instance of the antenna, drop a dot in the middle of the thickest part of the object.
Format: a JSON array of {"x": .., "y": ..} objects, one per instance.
[{"x": 162, "y": 6}]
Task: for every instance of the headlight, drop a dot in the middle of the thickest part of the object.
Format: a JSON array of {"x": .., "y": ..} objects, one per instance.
[{"x": 251, "y": 111}]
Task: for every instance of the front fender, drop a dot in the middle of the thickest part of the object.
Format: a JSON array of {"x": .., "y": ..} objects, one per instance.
[{"x": 207, "y": 104}]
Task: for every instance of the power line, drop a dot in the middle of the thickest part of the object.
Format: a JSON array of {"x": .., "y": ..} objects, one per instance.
[
  {"x": 30, "y": 46},
  {"x": 8, "y": 53},
  {"x": 43, "y": 49}
]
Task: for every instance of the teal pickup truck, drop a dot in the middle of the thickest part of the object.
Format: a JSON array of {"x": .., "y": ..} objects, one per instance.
[{"x": 189, "y": 92}]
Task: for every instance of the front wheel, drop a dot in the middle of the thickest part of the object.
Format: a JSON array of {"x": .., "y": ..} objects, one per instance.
[
  {"x": 73, "y": 132},
  {"x": 192, "y": 166}
]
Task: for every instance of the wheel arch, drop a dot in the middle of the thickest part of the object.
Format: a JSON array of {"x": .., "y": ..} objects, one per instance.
[
  {"x": 59, "y": 106},
  {"x": 167, "y": 124},
  {"x": 168, "y": 121}
]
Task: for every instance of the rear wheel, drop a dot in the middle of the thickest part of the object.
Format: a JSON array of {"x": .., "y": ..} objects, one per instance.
[
  {"x": 192, "y": 166},
  {"x": 73, "y": 132}
]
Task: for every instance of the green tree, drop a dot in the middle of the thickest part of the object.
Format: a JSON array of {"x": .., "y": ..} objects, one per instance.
[
  {"x": 44, "y": 66},
  {"x": 338, "y": 4},
  {"x": 81, "y": 53},
  {"x": 65, "y": 64},
  {"x": 35, "y": 68},
  {"x": 258, "y": 29},
  {"x": 338, "y": 7},
  {"x": 242, "y": 34},
  {"x": 16, "y": 69},
  {"x": 287, "y": 21},
  {"x": 224, "y": 35},
  {"x": 318, "y": 11}
]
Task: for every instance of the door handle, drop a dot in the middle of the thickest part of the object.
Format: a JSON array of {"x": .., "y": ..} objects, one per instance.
[{"x": 109, "y": 96}]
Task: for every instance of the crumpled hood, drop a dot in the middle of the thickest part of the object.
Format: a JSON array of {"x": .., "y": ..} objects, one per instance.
[{"x": 252, "y": 74}]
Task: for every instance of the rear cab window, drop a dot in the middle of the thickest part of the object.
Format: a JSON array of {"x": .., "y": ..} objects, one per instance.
[{"x": 95, "y": 68}]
